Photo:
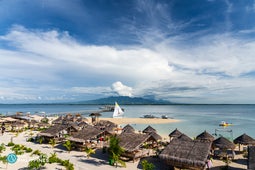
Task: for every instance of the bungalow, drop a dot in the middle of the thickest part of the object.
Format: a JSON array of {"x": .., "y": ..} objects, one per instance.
[
  {"x": 88, "y": 137},
  {"x": 56, "y": 132},
  {"x": 135, "y": 145}
]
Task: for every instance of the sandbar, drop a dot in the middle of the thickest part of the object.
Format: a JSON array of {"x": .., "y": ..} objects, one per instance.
[{"x": 120, "y": 121}]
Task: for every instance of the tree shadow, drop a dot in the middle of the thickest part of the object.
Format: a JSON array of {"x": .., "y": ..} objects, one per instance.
[{"x": 158, "y": 163}]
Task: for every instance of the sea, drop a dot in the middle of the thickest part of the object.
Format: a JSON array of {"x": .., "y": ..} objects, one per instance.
[{"x": 194, "y": 119}]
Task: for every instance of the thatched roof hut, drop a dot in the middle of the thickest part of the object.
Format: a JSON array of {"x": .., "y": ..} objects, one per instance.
[
  {"x": 155, "y": 136},
  {"x": 87, "y": 133},
  {"x": 149, "y": 129},
  {"x": 106, "y": 125},
  {"x": 205, "y": 136},
  {"x": 186, "y": 154},
  {"x": 132, "y": 141},
  {"x": 53, "y": 131},
  {"x": 223, "y": 143},
  {"x": 58, "y": 120},
  {"x": 174, "y": 134},
  {"x": 128, "y": 129},
  {"x": 183, "y": 137},
  {"x": 244, "y": 139}
]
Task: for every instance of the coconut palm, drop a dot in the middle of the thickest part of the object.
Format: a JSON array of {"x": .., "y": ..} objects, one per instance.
[
  {"x": 89, "y": 151},
  {"x": 52, "y": 142},
  {"x": 115, "y": 151},
  {"x": 68, "y": 144}
]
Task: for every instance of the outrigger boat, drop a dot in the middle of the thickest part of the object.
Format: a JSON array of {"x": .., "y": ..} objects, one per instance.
[{"x": 223, "y": 123}]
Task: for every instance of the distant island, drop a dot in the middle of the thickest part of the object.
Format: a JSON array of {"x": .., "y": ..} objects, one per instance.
[{"x": 125, "y": 100}]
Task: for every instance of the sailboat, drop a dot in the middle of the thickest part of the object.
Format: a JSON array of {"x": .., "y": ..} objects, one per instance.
[{"x": 118, "y": 112}]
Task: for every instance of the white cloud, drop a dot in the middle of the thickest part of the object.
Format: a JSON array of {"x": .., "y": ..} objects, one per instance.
[
  {"x": 42, "y": 62},
  {"x": 122, "y": 89}
]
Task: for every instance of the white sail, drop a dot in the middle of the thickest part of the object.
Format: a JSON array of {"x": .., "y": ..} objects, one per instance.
[{"x": 118, "y": 112}]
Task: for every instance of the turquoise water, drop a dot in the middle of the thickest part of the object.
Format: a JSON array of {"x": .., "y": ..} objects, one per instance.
[{"x": 194, "y": 118}]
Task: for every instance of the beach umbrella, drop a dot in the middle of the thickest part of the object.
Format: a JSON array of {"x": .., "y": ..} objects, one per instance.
[
  {"x": 205, "y": 136},
  {"x": 244, "y": 139},
  {"x": 149, "y": 129},
  {"x": 223, "y": 143},
  {"x": 95, "y": 116},
  {"x": 128, "y": 129},
  {"x": 176, "y": 133}
]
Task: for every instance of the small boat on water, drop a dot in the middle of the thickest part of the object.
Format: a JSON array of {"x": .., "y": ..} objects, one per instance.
[
  {"x": 223, "y": 123},
  {"x": 164, "y": 117},
  {"x": 149, "y": 116},
  {"x": 118, "y": 112}
]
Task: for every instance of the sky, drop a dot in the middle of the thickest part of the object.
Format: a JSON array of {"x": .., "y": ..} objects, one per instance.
[{"x": 183, "y": 51}]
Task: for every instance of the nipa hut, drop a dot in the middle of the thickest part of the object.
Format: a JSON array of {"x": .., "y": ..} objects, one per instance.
[
  {"x": 88, "y": 137},
  {"x": 223, "y": 145},
  {"x": 56, "y": 132},
  {"x": 186, "y": 154},
  {"x": 135, "y": 145},
  {"x": 149, "y": 129},
  {"x": 174, "y": 134},
  {"x": 244, "y": 139},
  {"x": 128, "y": 129},
  {"x": 183, "y": 137},
  {"x": 205, "y": 136}
]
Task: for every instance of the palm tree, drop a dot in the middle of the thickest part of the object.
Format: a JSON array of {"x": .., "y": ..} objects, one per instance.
[
  {"x": 89, "y": 151},
  {"x": 68, "y": 144},
  {"x": 52, "y": 142},
  {"x": 40, "y": 140},
  {"x": 115, "y": 151}
]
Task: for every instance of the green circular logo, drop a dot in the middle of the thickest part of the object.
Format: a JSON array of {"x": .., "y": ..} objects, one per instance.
[{"x": 11, "y": 158}]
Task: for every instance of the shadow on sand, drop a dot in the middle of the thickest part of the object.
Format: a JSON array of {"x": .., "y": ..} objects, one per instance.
[
  {"x": 159, "y": 164},
  {"x": 97, "y": 159}
]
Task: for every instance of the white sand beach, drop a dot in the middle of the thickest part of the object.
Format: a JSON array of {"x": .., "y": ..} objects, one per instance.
[
  {"x": 97, "y": 161},
  {"x": 120, "y": 121}
]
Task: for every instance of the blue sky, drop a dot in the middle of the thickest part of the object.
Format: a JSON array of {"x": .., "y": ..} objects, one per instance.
[{"x": 188, "y": 51}]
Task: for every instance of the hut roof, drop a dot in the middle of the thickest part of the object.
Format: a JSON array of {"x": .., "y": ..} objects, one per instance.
[
  {"x": 245, "y": 140},
  {"x": 58, "y": 120},
  {"x": 87, "y": 133},
  {"x": 132, "y": 141},
  {"x": 149, "y": 129},
  {"x": 223, "y": 143},
  {"x": 128, "y": 129},
  {"x": 95, "y": 114},
  {"x": 175, "y": 133},
  {"x": 155, "y": 136},
  {"x": 183, "y": 137},
  {"x": 205, "y": 136},
  {"x": 53, "y": 130},
  {"x": 186, "y": 154}
]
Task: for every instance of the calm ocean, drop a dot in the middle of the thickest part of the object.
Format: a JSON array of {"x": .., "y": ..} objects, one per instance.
[{"x": 194, "y": 118}]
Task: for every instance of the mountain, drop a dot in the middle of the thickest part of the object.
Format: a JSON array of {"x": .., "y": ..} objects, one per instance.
[{"x": 124, "y": 100}]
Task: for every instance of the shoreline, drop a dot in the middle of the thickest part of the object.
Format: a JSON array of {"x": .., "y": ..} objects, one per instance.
[{"x": 120, "y": 121}]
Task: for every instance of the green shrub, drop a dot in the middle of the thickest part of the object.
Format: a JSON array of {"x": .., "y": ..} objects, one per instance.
[
  {"x": 28, "y": 150},
  {"x": 10, "y": 144},
  {"x": 54, "y": 159},
  {"x": 2, "y": 148},
  {"x": 36, "y": 152}
]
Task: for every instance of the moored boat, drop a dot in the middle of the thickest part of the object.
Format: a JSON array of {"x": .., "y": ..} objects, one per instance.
[{"x": 223, "y": 123}]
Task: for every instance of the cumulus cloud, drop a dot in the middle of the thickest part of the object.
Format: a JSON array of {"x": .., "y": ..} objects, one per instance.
[
  {"x": 122, "y": 89},
  {"x": 39, "y": 63}
]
